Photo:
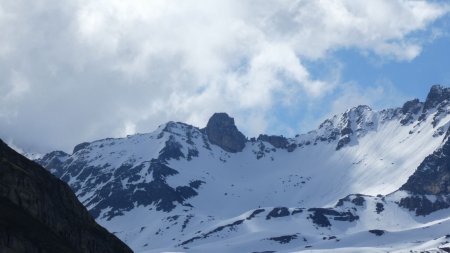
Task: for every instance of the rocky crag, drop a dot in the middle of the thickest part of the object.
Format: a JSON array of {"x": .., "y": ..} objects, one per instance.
[{"x": 39, "y": 213}]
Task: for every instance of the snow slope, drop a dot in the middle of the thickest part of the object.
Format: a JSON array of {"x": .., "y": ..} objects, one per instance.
[{"x": 173, "y": 190}]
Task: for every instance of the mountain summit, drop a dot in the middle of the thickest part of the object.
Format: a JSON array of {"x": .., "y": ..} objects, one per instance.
[
  {"x": 437, "y": 95},
  {"x": 222, "y": 132}
]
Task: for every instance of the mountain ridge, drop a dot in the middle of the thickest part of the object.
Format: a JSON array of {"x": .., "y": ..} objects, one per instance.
[
  {"x": 436, "y": 95},
  {"x": 347, "y": 172}
]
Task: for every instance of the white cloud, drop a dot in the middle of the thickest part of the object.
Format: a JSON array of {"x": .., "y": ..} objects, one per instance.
[
  {"x": 380, "y": 96},
  {"x": 16, "y": 87},
  {"x": 99, "y": 68}
]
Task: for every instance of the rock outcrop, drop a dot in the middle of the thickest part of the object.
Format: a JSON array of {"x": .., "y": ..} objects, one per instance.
[
  {"x": 410, "y": 109},
  {"x": 277, "y": 141},
  {"x": 433, "y": 174},
  {"x": 53, "y": 161},
  {"x": 432, "y": 177},
  {"x": 39, "y": 213},
  {"x": 436, "y": 95},
  {"x": 222, "y": 131}
]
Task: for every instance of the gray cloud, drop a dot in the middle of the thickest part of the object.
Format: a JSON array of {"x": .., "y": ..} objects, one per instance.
[{"x": 78, "y": 70}]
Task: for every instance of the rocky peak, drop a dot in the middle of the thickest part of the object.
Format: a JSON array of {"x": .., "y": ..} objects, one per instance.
[
  {"x": 361, "y": 109},
  {"x": 348, "y": 126},
  {"x": 53, "y": 161},
  {"x": 80, "y": 147},
  {"x": 436, "y": 95},
  {"x": 355, "y": 123},
  {"x": 55, "y": 154},
  {"x": 222, "y": 131},
  {"x": 355, "y": 115},
  {"x": 358, "y": 114},
  {"x": 409, "y": 111},
  {"x": 173, "y": 127},
  {"x": 412, "y": 106}
]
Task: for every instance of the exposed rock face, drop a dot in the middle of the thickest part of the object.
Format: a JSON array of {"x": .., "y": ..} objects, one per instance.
[
  {"x": 39, "y": 213},
  {"x": 412, "y": 106},
  {"x": 355, "y": 122},
  {"x": 54, "y": 161},
  {"x": 157, "y": 191},
  {"x": 321, "y": 216},
  {"x": 277, "y": 141},
  {"x": 433, "y": 174},
  {"x": 423, "y": 205},
  {"x": 117, "y": 197},
  {"x": 431, "y": 178},
  {"x": 222, "y": 132},
  {"x": 436, "y": 95},
  {"x": 410, "y": 109},
  {"x": 80, "y": 147}
]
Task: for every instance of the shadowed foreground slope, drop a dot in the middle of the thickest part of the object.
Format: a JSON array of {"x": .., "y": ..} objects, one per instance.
[{"x": 39, "y": 213}]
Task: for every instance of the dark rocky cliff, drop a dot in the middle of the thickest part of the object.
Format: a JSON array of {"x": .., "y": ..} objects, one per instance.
[
  {"x": 222, "y": 131},
  {"x": 432, "y": 178},
  {"x": 39, "y": 213},
  {"x": 437, "y": 95}
]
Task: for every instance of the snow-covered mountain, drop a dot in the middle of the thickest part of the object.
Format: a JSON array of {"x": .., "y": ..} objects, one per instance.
[{"x": 364, "y": 180}]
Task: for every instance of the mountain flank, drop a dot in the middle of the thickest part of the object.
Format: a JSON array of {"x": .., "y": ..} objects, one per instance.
[{"x": 39, "y": 213}]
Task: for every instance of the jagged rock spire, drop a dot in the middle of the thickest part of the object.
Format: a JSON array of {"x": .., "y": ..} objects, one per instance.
[
  {"x": 437, "y": 94},
  {"x": 222, "y": 131}
]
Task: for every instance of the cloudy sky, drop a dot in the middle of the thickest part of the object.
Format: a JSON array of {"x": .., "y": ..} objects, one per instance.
[{"x": 80, "y": 70}]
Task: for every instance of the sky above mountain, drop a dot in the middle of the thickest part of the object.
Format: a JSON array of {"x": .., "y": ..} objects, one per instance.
[{"x": 73, "y": 71}]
